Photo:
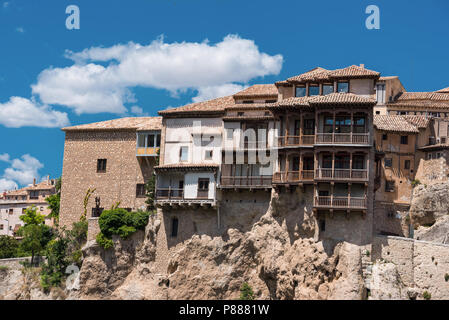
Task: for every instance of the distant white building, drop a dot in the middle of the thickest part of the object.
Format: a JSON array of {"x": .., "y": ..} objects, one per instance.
[{"x": 14, "y": 203}]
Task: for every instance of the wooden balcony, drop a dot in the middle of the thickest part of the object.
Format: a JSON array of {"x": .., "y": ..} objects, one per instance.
[
  {"x": 331, "y": 202},
  {"x": 293, "y": 141},
  {"x": 147, "y": 152},
  {"x": 175, "y": 197},
  {"x": 169, "y": 194},
  {"x": 342, "y": 138},
  {"x": 293, "y": 177},
  {"x": 246, "y": 181},
  {"x": 341, "y": 174}
]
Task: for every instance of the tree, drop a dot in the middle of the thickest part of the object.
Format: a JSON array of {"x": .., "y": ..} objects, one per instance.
[
  {"x": 31, "y": 216},
  {"x": 54, "y": 201},
  {"x": 8, "y": 247}
]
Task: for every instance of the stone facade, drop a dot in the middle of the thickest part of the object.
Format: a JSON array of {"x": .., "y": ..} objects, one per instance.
[{"x": 124, "y": 171}]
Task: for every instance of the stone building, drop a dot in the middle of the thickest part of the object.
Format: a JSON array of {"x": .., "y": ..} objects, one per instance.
[
  {"x": 115, "y": 158},
  {"x": 13, "y": 204}
]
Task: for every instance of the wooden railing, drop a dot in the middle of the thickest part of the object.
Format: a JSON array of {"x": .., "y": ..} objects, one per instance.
[
  {"x": 342, "y": 138},
  {"x": 246, "y": 181},
  {"x": 351, "y": 174},
  {"x": 293, "y": 176},
  {"x": 296, "y": 140},
  {"x": 170, "y": 193},
  {"x": 340, "y": 202}
]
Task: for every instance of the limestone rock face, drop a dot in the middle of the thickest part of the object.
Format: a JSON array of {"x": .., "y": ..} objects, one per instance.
[
  {"x": 386, "y": 283},
  {"x": 429, "y": 203},
  {"x": 277, "y": 261},
  {"x": 438, "y": 232}
]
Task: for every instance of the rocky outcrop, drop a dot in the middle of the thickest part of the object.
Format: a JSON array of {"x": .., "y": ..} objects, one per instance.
[
  {"x": 277, "y": 262},
  {"x": 429, "y": 203}
]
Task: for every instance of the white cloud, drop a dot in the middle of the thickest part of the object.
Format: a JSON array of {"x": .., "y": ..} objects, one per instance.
[
  {"x": 211, "y": 92},
  {"x": 4, "y": 157},
  {"x": 20, "y": 112},
  {"x": 211, "y": 69},
  {"x": 20, "y": 29},
  {"x": 5, "y": 4},
  {"x": 23, "y": 170},
  {"x": 6, "y": 185},
  {"x": 138, "y": 111}
]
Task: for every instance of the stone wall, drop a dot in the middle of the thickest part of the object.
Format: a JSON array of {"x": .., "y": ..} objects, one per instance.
[
  {"x": 391, "y": 219},
  {"x": 421, "y": 266},
  {"x": 435, "y": 170},
  {"x": 93, "y": 228}
]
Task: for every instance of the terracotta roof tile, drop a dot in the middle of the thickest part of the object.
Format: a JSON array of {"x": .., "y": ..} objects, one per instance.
[
  {"x": 354, "y": 72},
  {"x": 136, "y": 123},
  {"x": 311, "y": 75},
  {"x": 397, "y": 123},
  {"x": 445, "y": 90},
  {"x": 341, "y": 98},
  {"x": 210, "y": 106},
  {"x": 263, "y": 90},
  {"x": 421, "y": 104}
]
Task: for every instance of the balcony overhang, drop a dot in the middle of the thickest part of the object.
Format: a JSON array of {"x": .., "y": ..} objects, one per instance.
[{"x": 186, "y": 167}]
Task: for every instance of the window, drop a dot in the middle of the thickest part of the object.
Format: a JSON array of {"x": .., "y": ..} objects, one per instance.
[
  {"x": 443, "y": 140},
  {"x": 140, "y": 190},
  {"x": 359, "y": 124},
  {"x": 11, "y": 211},
  {"x": 407, "y": 164},
  {"x": 343, "y": 86},
  {"x": 328, "y": 88},
  {"x": 404, "y": 139},
  {"x": 95, "y": 213},
  {"x": 270, "y": 101},
  {"x": 34, "y": 195},
  {"x": 314, "y": 90},
  {"x": 229, "y": 134},
  {"x": 388, "y": 162},
  {"x": 384, "y": 136},
  {"x": 248, "y": 101},
  {"x": 377, "y": 112},
  {"x": 174, "y": 227},
  {"x": 389, "y": 186},
  {"x": 101, "y": 165},
  {"x": 183, "y": 153},
  {"x": 1, "y": 227},
  {"x": 358, "y": 161},
  {"x": 300, "y": 91},
  {"x": 240, "y": 114},
  {"x": 203, "y": 184},
  {"x": 151, "y": 140},
  {"x": 380, "y": 92},
  {"x": 323, "y": 225},
  {"x": 209, "y": 154}
]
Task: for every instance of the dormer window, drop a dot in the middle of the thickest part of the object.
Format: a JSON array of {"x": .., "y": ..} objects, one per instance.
[
  {"x": 343, "y": 86},
  {"x": 300, "y": 91},
  {"x": 314, "y": 90},
  {"x": 328, "y": 88}
]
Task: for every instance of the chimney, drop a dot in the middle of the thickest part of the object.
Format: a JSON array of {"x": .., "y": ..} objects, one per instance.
[
  {"x": 362, "y": 65},
  {"x": 34, "y": 181}
]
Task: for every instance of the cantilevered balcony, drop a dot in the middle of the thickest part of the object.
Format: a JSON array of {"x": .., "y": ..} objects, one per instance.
[
  {"x": 293, "y": 177},
  {"x": 176, "y": 196},
  {"x": 343, "y": 138},
  {"x": 246, "y": 181},
  {"x": 341, "y": 174},
  {"x": 334, "y": 202},
  {"x": 296, "y": 141}
]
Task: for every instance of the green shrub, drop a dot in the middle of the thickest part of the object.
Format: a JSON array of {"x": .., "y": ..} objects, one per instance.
[
  {"x": 8, "y": 247},
  {"x": 4, "y": 268},
  {"x": 446, "y": 277},
  {"x": 103, "y": 241},
  {"x": 426, "y": 295},
  {"x": 415, "y": 183},
  {"x": 119, "y": 222},
  {"x": 246, "y": 292}
]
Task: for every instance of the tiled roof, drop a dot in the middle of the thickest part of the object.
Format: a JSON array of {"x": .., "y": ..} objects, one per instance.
[
  {"x": 291, "y": 102},
  {"x": 44, "y": 185},
  {"x": 354, "y": 72},
  {"x": 445, "y": 90},
  {"x": 210, "y": 106},
  {"x": 261, "y": 90},
  {"x": 249, "y": 117},
  {"x": 388, "y": 78},
  {"x": 422, "y": 104},
  {"x": 136, "y": 123},
  {"x": 397, "y": 123},
  {"x": 248, "y": 106},
  {"x": 414, "y": 96},
  {"x": 321, "y": 74},
  {"x": 341, "y": 98}
]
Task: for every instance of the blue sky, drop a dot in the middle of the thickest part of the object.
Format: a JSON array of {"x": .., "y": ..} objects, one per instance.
[{"x": 150, "y": 55}]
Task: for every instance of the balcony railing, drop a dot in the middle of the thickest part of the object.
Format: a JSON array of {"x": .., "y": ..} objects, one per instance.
[
  {"x": 306, "y": 140},
  {"x": 340, "y": 202},
  {"x": 293, "y": 176},
  {"x": 246, "y": 181},
  {"x": 342, "y": 138},
  {"x": 169, "y": 193},
  {"x": 343, "y": 174},
  {"x": 142, "y": 152}
]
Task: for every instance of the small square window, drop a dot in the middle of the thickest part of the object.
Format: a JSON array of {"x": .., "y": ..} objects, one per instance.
[
  {"x": 377, "y": 112},
  {"x": 300, "y": 91},
  {"x": 209, "y": 154},
  {"x": 101, "y": 165},
  {"x": 404, "y": 139},
  {"x": 140, "y": 190},
  {"x": 384, "y": 136},
  {"x": 343, "y": 87},
  {"x": 314, "y": 90},
  {"x": 328, "y": 88},
  {"x": 407, "y": 164},
  {"x": 389, "y": 186},
  {"x": 388, "y": 162}
]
